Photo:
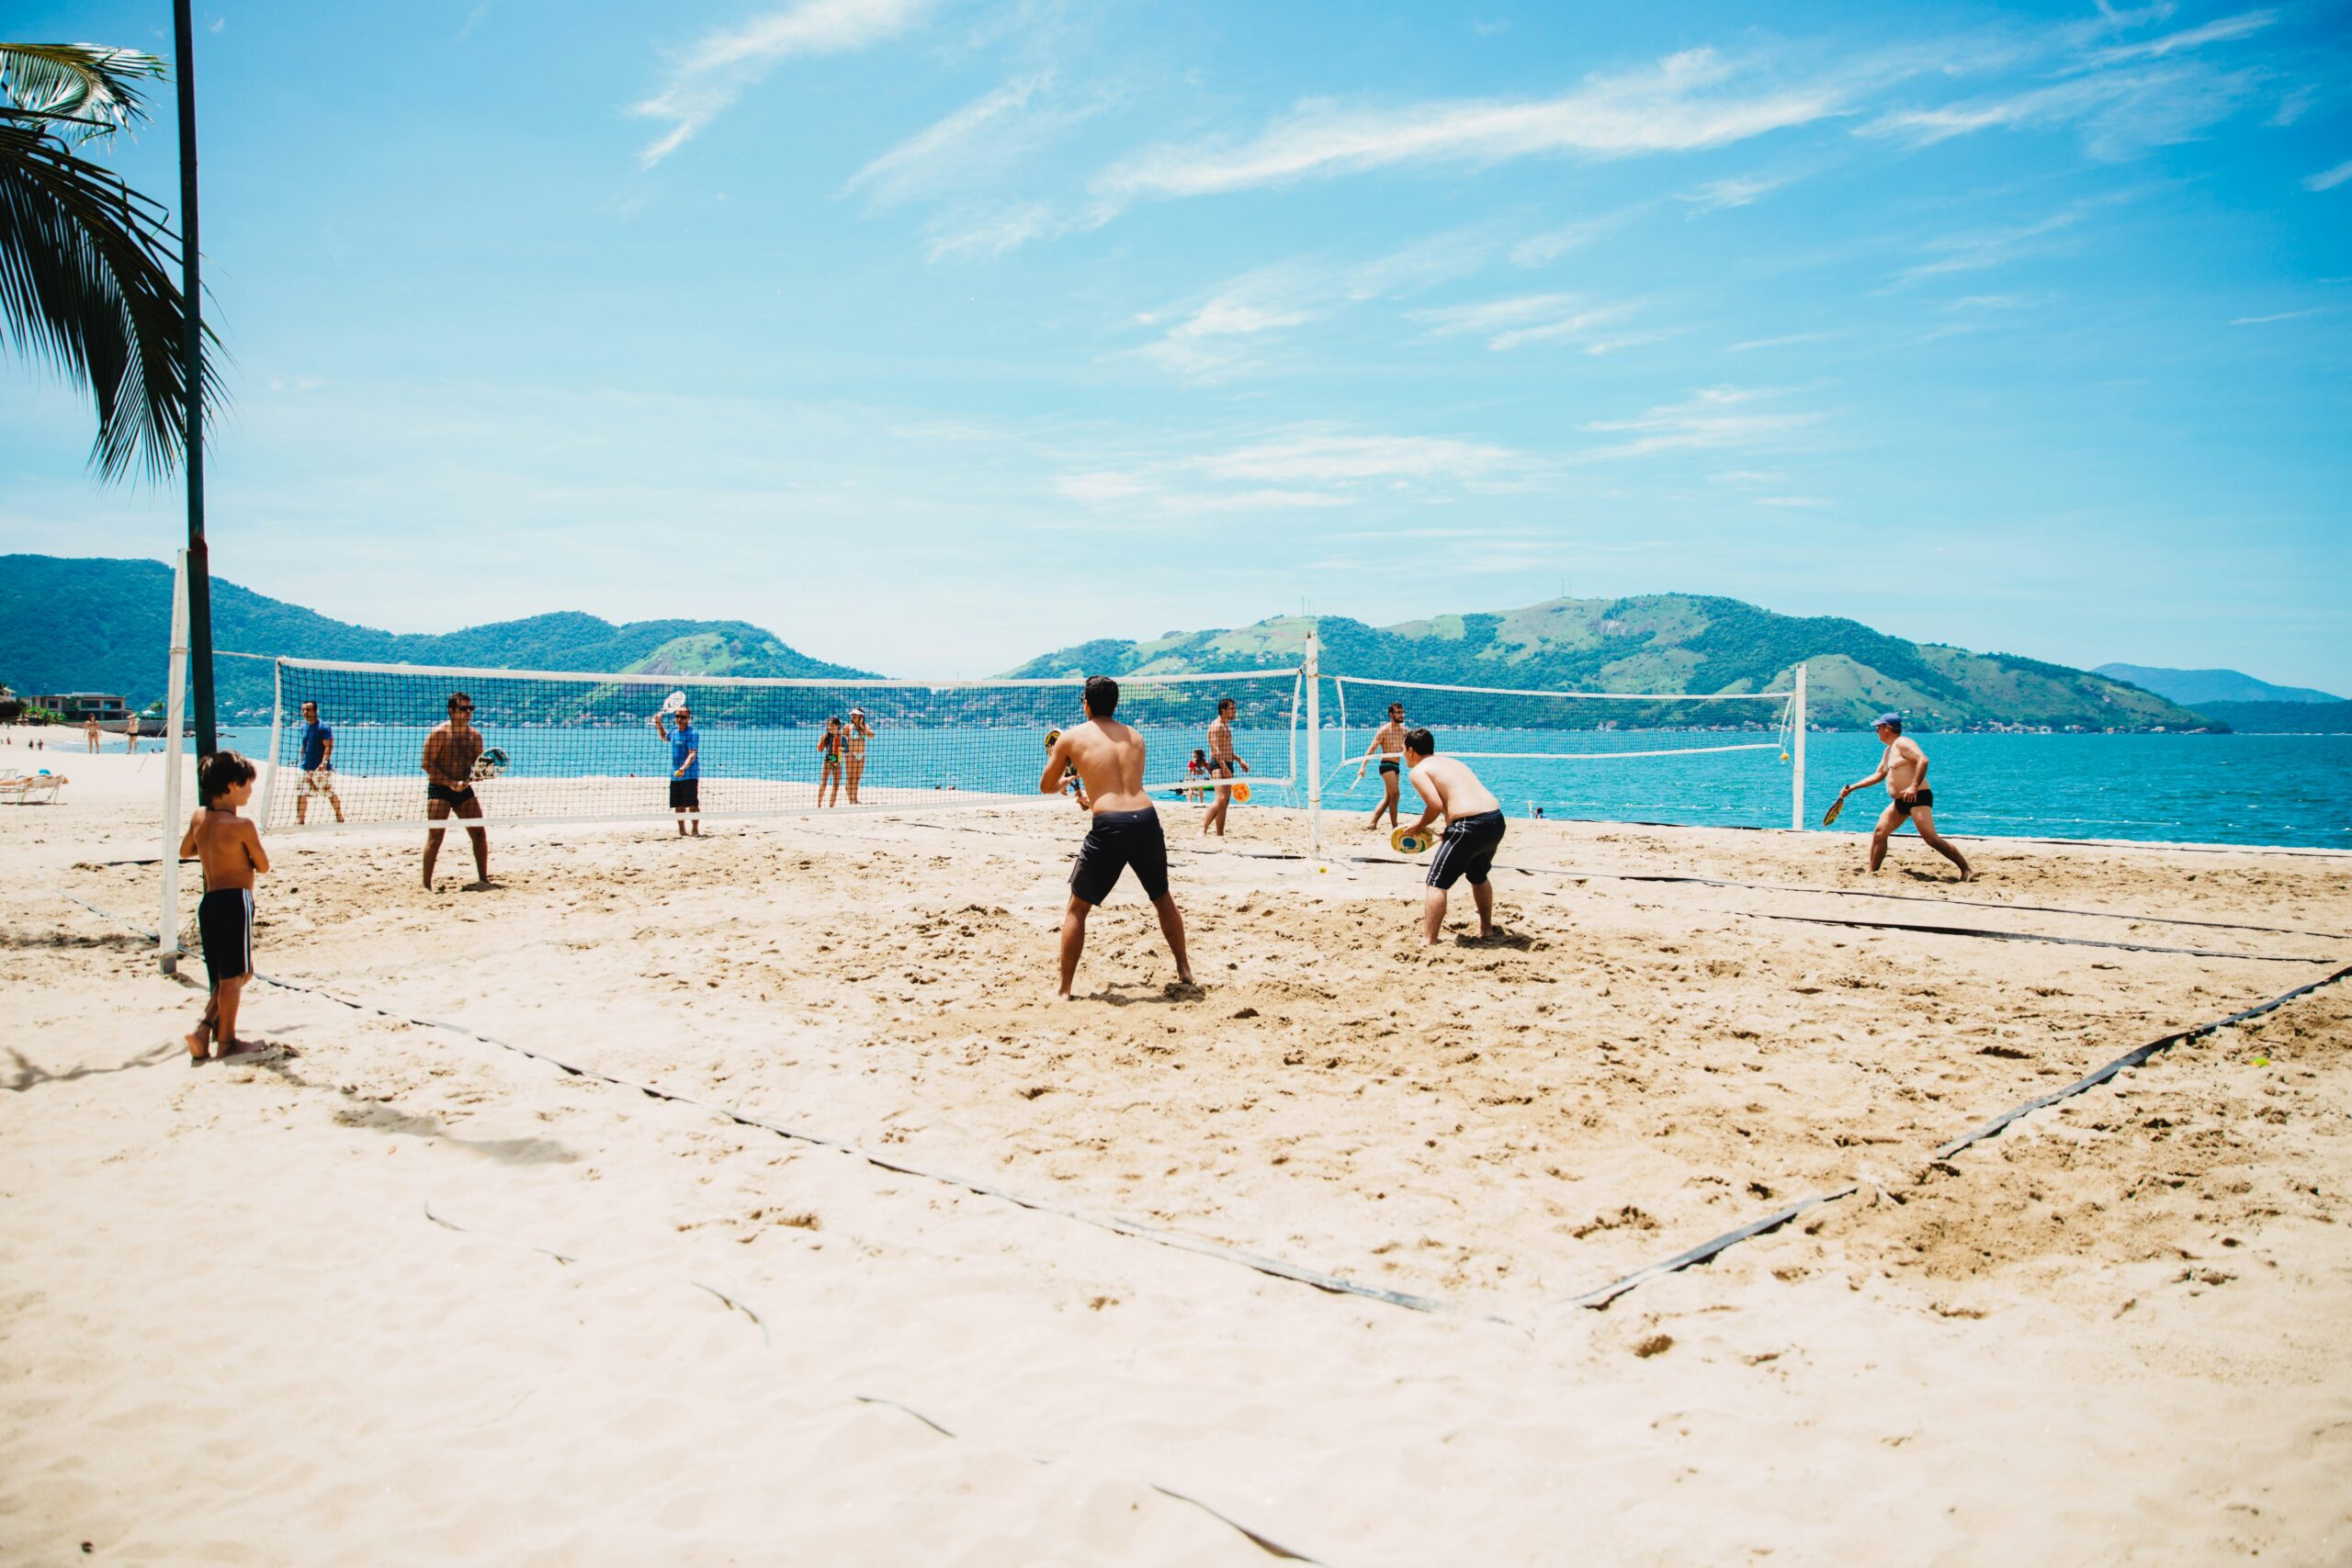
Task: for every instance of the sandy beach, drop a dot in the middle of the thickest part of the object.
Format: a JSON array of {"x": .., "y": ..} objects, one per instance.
[{"x": 413, "y": 1292}]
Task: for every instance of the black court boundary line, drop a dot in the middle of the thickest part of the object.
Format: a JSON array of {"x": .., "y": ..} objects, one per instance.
[
  {"x": 1263, "y": 1543},
  {"x": 2015, "y": 936},
  {"x": 1707, "y": 1250},
  {"x": 1595, "y": 1300},
  {"x": 1165, "y": 1236}
]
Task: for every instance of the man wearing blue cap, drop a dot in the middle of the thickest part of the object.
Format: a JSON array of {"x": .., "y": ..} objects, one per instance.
[{"x": 1904, "y": 768}]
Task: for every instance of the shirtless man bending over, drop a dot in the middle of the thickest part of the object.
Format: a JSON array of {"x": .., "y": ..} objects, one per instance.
[
  {"x": 1904, "y": 768},
  {"x": 1389, "y": 745},
  {"x": 450, "y": 752},
  {"x": 1109, "y": 757},
  {"x": 1474, "y": 831}
]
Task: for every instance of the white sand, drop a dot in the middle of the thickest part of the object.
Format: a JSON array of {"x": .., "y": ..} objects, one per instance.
[{"x": 229, "y": 1330}]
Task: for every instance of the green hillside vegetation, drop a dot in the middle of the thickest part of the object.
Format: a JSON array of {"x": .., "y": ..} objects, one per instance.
[
  {"x": 2297, "y": 718},
  {"x": 1669, "y": 642},
  {"x": 105, "y": 626}
]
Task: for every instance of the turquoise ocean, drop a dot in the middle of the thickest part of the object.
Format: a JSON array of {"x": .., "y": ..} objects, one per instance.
[{"x": 2232, "y": 789}]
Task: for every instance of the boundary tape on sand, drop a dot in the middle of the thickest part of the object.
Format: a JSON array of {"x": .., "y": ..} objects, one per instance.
[{"x": 1706, "y": 1251}]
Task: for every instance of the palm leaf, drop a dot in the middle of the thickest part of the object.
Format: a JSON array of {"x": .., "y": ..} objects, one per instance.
[
  {"x": 93, "y": 89},
  {"x": 86, "y": 284}
]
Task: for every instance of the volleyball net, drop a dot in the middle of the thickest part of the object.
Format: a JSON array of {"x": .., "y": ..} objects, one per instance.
[
  {"x": 350, "y": 741},
  {"x": 1716, "y": 757}
]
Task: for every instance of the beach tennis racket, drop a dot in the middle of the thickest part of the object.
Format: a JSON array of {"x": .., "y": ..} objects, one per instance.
[
  {"x": 673, "y": 701},
  {"x": 1835, "y": 808},
  {"x": 1052, "y": 736},
  {"x": 1241, "y": 794},
  {"x": 490, "y": 765},
  {"x": 1405, "y": 841}
]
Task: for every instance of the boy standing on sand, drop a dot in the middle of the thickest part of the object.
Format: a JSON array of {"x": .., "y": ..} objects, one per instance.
[
  {"x": 231, "y": 848},
  {"x": 1904, "y": 768},
  {"x": 1124, "y": 831},
  {"x": 1473, "y": 830},
  {"x": 1222, "y": 761}
]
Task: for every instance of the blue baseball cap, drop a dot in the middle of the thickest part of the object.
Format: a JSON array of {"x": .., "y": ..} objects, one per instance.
[{"x": 1887, "y": 721}]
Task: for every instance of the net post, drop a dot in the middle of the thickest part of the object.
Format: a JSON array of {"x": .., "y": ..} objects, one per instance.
[
  {"x": 1314, "y": 674},
  {"x": 276, "y": 723},
  {"x": 1796, "y": 750},
  {"x": 167, "y": 923}
]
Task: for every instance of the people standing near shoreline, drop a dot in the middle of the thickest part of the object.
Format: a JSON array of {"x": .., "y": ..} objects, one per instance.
[
  {"x": 90, "y": 733},
  {"x": 828, "y": 772},
  {"x": 854, "y": 735},
  {"x": 1389, "y": 745},
  {"x": 1903, "y": 766},
  {"x": 315, "y": 744},
  {"x": 1222, "y": 760}
]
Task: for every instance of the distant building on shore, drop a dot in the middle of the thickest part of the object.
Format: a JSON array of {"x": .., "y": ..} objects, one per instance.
[{"x": 105, "y": 706}]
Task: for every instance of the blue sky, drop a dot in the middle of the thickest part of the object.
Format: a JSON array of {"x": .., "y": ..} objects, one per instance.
[{"x": 934, "y": 333}]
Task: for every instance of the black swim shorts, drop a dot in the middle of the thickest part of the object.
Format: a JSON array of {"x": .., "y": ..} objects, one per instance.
[
  {"x": 1117, "y": 840},
  {"x": 685, "y": 795},
  {"x": 1926, "y": 798},
  {"x": 453, "y": 799},
  {"x": 224, "y": 918},
  {"x": 1387, "y": 767},
  {"x": 1468, "y": 849}
]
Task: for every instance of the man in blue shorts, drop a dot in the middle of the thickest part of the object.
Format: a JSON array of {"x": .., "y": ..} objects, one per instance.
[
  {"x": 686, "y": 768},
  {"x": 317, "y": 743},
  {"x": 1474, "y": 831}
]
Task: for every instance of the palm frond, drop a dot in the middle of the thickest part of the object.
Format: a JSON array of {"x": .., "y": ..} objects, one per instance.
[
  {"x": 85, "y": 87},
  {"x": 86, "y": 283}
]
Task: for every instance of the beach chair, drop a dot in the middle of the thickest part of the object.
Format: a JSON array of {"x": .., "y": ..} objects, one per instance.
[{"x": 26, "y": 787}]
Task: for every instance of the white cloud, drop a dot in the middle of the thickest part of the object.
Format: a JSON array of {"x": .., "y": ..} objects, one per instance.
[
  {"x": 1713, "y": 417},
  {"x": 1982, "y": 250},
  {"x": 1985, "y": 302},
  {"x": 1104, "y": 485},
  {"x": 1315, "y": 458},
  {"x": 1551, "y": 244},
  {"x": 1783, "y": 342},
  {"x": 1791, "y": 501},
  {"x": 1740, "y": 191},
  {"x": 915, "y": 167},
  {"x": 2328, "y": 179},
  {"x": 716, "y": 71},
  {"x": 1529, "y": 320},
  {"x": 2294, "y": 105},
  {"x": 990, "y": 232},
  {"x": 1680, "y": 105},
  {"x": 2224, "y": 29},
  {"x": 2281, "y": 316}
]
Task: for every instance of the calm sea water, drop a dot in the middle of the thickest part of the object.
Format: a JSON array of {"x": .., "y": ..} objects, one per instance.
[{"x": 2250, "y": 789}]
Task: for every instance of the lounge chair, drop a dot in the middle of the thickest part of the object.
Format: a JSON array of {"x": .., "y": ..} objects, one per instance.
[{"x": 26, "y": 787}]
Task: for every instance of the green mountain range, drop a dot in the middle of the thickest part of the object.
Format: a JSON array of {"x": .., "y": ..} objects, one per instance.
[
  {"x": 1670, "y": 642},
  {"x": 106, "y": 626},
  {"x": 68, "y": 625}
]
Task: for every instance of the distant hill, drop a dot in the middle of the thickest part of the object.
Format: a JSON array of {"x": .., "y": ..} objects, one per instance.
[
  {"x": 105, "y": 626},
  {"x": 2199, "y": 689},
  {"x": 2282, "y": 718},
  {"x": 1669, "y": 642}
]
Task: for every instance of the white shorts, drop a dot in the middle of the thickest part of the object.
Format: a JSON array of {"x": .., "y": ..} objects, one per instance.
[{"x": 319, "y": 781}]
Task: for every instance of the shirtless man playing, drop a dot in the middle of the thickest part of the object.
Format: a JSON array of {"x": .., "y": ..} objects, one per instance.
[
  {"x": 450, "y": 752},
  {"x": 1473, "y": 830},
  {"x": 1222, "y": 761},
  {"x": 1124, "y": 833},
  {"x": 1389, "y": 745},
  {"x": 1904, "y": 768}
]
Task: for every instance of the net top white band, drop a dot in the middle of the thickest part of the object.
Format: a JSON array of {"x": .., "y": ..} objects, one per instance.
[
  {"x": 1525, "y": 691},
  {"x": 871, "y": 682}
]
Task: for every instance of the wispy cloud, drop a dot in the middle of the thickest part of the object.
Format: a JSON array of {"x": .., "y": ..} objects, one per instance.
[
  {"x": 1791, "y": 501},
  {"x": 1529, "y": 320},
  {"x": 1714, "y": 417},
  {"x": 1301, "y": 468},
  {"x": 915, "y": 167},
  {"x": 2328, "y": 179},
  {"x": 2222, "y": 29},
  {"x": 1549, "y": 245},
  {"x": 986, "y": 233},
  {"x": 1227, "y": 333},
  {"x": 2281, "y": 316},
  {"x": 1740, "y": 191},
  {"x": 1983, "y": 249},
  {"x": 1685, "y": 102},
  {"x": 1985, "y": 302},
  {"x": 1785, "y": 341},
  {"x": 721, "y": 67},
  {"x": 1314, "y": 456}
]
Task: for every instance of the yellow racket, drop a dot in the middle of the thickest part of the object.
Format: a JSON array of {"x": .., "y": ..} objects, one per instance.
[
  {"x": 1052, "y": 736},
  {"x": 1405, "y": 841},
  {"x": 1241, "y": 794},
  {"x": 1831, "y": 815}
]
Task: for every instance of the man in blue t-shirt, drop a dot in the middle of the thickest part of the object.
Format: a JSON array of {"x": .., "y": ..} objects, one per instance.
[
  {"x": 686, "y": 767},
  {"x": 317, "y": 743}
]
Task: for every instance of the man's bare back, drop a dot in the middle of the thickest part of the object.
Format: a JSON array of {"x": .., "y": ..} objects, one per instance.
[
  {"x": 1450, "y": 787},
  {"x": 1109, "y": 757},
  {"x": 1123, "y": 833}
]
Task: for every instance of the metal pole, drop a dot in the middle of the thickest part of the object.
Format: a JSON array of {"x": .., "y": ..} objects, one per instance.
[
  {"x": 277, "y": 728},
  {"x": 1313, "y": 743},
  {"x": 1796, "y": 738},
  {"x": 200, "y": 566},
  {"x": 167, "y": 925}
]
